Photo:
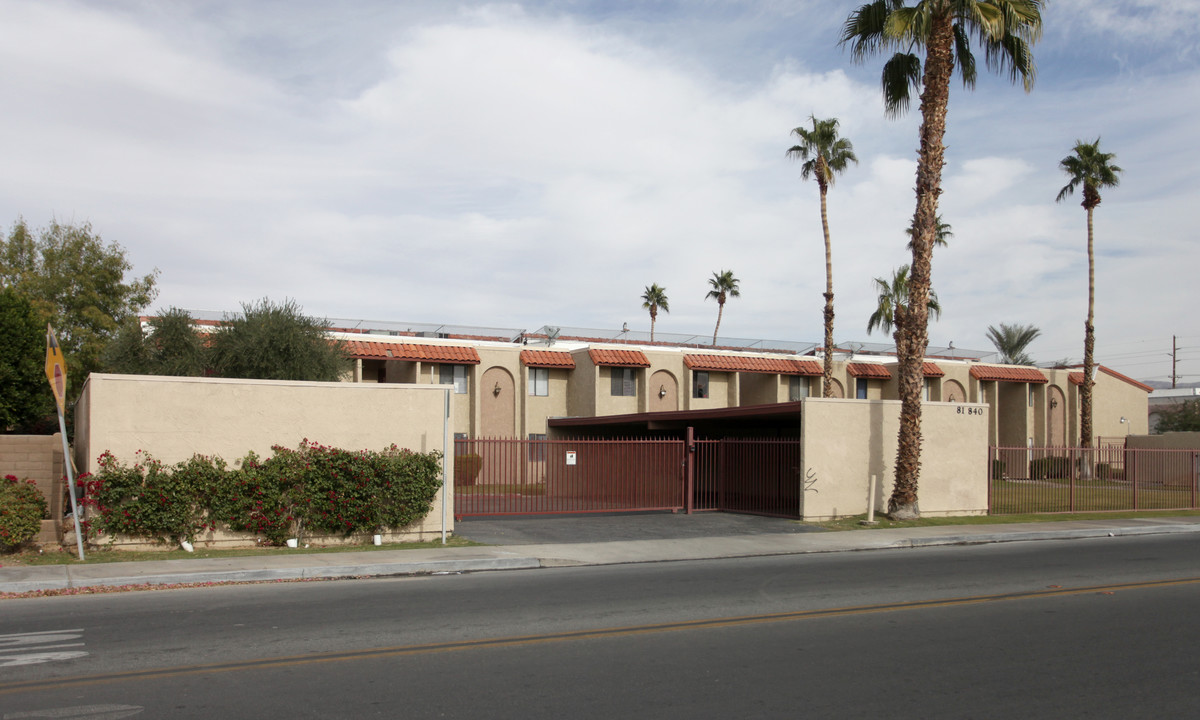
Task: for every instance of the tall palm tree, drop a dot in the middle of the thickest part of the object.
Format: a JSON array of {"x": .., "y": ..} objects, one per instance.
[
  {"x": 941, "y": 235},
  {"x": 1093, "y": 170},
  {"x": 942, "y": 30},
  {"x": 724, "y": 285},
  {"x": 655, "y": 299},
  {"x": 824, "y": 154},
  {"x": 1011, "y": 341},
  {"x": 891, "y": 312}
]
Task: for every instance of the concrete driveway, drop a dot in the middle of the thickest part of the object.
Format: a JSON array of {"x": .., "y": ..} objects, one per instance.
[{"x": 609, "y": 527}]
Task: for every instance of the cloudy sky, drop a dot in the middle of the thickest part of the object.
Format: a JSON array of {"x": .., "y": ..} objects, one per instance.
[{"x": 540, "y": 163}]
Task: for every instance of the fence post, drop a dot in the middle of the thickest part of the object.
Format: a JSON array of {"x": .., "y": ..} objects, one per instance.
[{"x": 689, "y": 477}]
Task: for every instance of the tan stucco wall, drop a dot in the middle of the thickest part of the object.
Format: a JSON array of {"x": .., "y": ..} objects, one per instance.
[
  {"x": 38, "y": 458},
  {"x": 838, "y": 465},
  {"x": 1114, "y": 399},
  {"x": 1166, "y": 441},
  {"x": 175, "y": 418}
]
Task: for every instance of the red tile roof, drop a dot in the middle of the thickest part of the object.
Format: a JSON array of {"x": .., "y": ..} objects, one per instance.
[
  {"x": 868, "y": 370},
  {"x": 741, "y": 363},
  {"x": 619, "y": 358},
  {"x": 1007, "y": 373},
  {"x": 547, "y": 359},
  {"x": 452, "y": 354},
  {"x": 932, "y": 370},
  {"x": 1076, "y": 378}
]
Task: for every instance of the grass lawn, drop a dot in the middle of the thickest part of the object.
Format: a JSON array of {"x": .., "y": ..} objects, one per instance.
[
  {"x": 1051, "y": 496},
  {"x": 69, "y": 556}
]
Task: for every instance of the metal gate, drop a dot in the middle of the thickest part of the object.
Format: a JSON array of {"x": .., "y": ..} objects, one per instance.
[{"x": 532, "y": 477}]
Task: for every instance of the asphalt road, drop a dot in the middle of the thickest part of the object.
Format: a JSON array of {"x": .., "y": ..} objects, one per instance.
[{"x": 1096, "y": 628}]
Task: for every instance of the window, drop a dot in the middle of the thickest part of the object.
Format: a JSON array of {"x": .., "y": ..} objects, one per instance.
[
  {"x": 539, "y": 381},
  {"x": 624, "y": 382},
  {"x": 925, "y": 392},
  {"x": 455, "y": 375},
  {"x": 860, "y": 388},
  {"x": 1030, "y": 388},
  {"x": 798, "y": 387},
  {"x": 537, "y": 450},
  {"x": 699, "y": 384}
]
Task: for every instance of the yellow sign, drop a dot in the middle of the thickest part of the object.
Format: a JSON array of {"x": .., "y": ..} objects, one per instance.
[{"x": 56, "y": 369}]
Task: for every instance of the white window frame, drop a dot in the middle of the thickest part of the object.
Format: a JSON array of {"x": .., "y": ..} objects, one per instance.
[{"x": 539, "y": 382}]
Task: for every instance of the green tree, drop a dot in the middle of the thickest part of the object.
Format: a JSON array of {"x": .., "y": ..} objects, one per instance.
[
  {"x": 1091, "y": 169},
  {"x": 941, "y": 236},
  {"x": 1011, "y": 341},
  {"x": 824, "y": 155},
  {"x": 655, "y": 299},
  {"x": 276, "y": 342},
  {"x": 724, "y": 285},
  {"x": 891, "y": 312},
  {"x": 1179, "y": 417},
  {"x": 78, "y": 284},
  {"x": 171, "y": 347},
  {"x": 25, "y": 395},
  {"x": 941, "y": 30}
]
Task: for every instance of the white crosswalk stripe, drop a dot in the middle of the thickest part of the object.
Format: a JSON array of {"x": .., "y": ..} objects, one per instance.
[{"x": 40, "y": 647}]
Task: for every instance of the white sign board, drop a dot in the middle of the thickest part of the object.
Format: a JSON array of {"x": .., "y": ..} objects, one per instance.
[{"x": 570, "y": 457}]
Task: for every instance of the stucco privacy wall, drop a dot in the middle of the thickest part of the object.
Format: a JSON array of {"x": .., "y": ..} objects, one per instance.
[
  {"x": 845, "y": 442},
  {"x": 38, "y": 458},
  {"x": 175, "y": 418}
]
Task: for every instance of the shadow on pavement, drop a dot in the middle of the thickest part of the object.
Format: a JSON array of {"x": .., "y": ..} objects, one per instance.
[{"x": 609, "y": 527}]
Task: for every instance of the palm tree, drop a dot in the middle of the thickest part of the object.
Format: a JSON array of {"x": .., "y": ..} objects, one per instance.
[
  {"x": 824, "y": 153},
  {"x": 942, "y": 31},
  {"x": 941, "y": 236},
  {"x": 891, "y": 312},
  {"x": 1093, "y": 170},
  {"x": 655, "y": 299},
  {"x": 724, "y": 285},
  {"x": 1011, "y": 341}
]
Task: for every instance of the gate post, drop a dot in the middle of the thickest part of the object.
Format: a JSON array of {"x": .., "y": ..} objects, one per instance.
[{"x": 689, "y": 471}]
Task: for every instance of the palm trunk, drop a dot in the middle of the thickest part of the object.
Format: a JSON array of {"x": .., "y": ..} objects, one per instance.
[
  {"x": 827, "y": 384},
  {"x": 653, "y": 317},
  {"x": 939, "y": 64},
  {"x": 1089, "y": 339},
  {"x": 720, "y": 310}
]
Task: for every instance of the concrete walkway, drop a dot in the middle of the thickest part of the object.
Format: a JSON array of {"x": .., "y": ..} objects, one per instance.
[{"x": 281, "y": 566}]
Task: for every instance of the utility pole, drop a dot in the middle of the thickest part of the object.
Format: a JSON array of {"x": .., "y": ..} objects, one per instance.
[{"x": 1174, "y": 351}]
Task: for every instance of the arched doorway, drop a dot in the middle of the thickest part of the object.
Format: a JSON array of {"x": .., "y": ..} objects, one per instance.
[
  {"x": 497, "y": 404},
  {"x": 838, "y": 391},
  {"x": 954, "y": 391},
  {"x": 664, "y": 392},
  {"x": 1056, "y": 417}
]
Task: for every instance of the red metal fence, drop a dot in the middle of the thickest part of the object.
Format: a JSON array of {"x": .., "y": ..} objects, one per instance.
[
  {"x": 526, "y": 477},
  {"x": 1061, "y": 479}
]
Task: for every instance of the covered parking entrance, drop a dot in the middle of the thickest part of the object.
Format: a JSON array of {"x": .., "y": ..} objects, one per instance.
[{"x": 744, "y": 460}]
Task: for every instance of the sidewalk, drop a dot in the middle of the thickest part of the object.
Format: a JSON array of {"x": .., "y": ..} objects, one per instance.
[{"x": 514, "y": 557}]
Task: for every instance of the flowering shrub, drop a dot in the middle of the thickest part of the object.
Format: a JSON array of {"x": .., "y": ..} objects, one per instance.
[
  {"x": 22, "y": 509},
  {"x": 319, "y": 489}
]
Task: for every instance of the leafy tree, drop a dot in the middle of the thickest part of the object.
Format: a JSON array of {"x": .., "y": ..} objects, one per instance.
[
  {"x": 172, "y": 347},
  {"x": 1179, "y": 417},
  {"x": 655, "y": 299},
  {"x": 276, "y": 342},
  {"x": 78, "y": 284},
  {"x": 941, "y": 236},
  {"x": 824, "y": 154},
  {"x": 941, "y": 30},
  {"x": 1091, "y": 169},
  {"x": 891, "y": 313},
  {"x": 1011, "y": 341},
  {"x": 724, "y": 285},
  {"x": 25, "y": 395}
]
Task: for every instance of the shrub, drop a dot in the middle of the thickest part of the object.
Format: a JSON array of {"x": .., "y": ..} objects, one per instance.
[
  {"x": 1050, "y": 467},
  {"x": 466, "y": 469},
  {"x": 150, "y": 500},
  {"x": 22, "y": 509},
  {"x": 315, "y": 488}
]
